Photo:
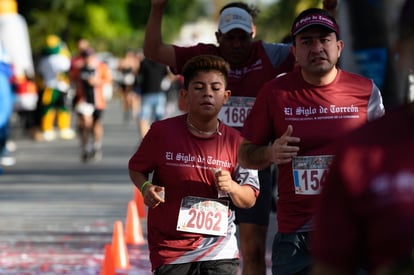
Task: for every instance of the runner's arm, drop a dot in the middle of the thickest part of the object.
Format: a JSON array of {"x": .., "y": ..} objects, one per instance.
[
  {"x": 254, "y": 156},
  {"x": 248, "y": 180},
  {"x": 154, "y": 47},
  {"x": 137, "y": 178},
  {"x": 282, "y": 151}
]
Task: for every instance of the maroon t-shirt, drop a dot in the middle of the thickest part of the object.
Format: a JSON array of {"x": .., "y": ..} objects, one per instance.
[
  {"x": 366, "y": 212},
  {"x": 320, "y": 115},
  {"x": 182, "y": 163}
]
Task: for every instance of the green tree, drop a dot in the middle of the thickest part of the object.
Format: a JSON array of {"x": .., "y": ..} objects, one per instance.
[
  {"x": 116, "y": 25},
  {"x": 275, "y": 21},
  {"x": 110, "y": 25}
]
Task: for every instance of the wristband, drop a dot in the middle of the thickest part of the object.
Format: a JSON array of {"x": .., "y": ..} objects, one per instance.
[{"x": 143, "y": 185}]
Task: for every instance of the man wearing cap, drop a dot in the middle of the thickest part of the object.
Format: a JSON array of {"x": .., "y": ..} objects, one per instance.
[
  {"x": 308, "y": 110},
  {"x": 252, "y": 63}
]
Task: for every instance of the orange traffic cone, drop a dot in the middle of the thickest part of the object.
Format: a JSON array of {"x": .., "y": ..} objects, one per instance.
[
  {"x": 119, "y": 248},
  {"x": 108, "y": 267},
  {"x": 133, "y": 230},
  {"x": 139, "y": 200}
]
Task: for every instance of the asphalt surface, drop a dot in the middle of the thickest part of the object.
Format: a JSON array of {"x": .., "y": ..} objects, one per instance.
[{"x": 58, "y": 213}]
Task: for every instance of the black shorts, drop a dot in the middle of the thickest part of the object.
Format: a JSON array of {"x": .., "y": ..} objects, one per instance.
[
  {"x": 259, "y": 213},
  {"x": 222, "y": 267},
  {"x": 291, "y": 253},
  {"x": 97, "y": 115}
]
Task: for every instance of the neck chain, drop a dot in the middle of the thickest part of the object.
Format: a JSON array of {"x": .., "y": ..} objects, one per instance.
[{"x": 203, "y": 132}]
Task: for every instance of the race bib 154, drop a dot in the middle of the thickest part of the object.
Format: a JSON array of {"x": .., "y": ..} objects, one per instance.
[{"x": 309, "y": 173}]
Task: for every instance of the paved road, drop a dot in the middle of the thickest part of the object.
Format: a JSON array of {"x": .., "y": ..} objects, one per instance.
[{"x": 58, "y": 213}]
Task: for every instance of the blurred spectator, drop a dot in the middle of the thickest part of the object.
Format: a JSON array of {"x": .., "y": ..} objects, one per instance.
[
  {"x": 27, "y": 105},
  {"x": 175, "y": 103},
  {"x": 154, "y": 82},
  {"x": 53, "y": 67},
  {"x": 131, "y": 100},
  {"x": 76, "y": 63},
  {"x": 6, "y": 108},
  {"x": 90, "y": 104}
]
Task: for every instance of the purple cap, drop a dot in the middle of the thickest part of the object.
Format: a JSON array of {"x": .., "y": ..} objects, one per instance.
[{"x": 314, "y": 19}]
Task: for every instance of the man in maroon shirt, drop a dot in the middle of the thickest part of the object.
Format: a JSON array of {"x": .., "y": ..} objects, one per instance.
[{"x": 307, "y": 110}]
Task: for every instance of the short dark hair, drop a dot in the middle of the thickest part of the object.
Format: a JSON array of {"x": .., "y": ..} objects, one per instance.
[
  {"x": 204, "y": 63},
  {"x": 251, "y": 9}
]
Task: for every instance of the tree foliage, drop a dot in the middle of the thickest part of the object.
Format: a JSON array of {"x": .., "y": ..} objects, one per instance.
[
  {"x": 117, "y": 25},
  {"x": 275, "y": 21},
  {"x": 111, "y": 25}
]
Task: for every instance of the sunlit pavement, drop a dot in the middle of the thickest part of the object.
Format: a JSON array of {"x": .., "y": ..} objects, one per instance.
[{"x": 57, "y": 213}]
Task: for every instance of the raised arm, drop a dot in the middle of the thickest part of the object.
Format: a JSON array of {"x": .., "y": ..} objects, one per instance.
[{"x": 154, "y": 47}]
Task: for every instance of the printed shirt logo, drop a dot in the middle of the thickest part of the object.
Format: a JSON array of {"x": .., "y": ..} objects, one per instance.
[
  {"x": 321, "y": 112},
  {"x": 195, "y": 161}
]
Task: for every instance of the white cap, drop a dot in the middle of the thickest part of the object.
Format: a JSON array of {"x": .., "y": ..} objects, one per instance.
[{"x": 235, "y": 18}]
